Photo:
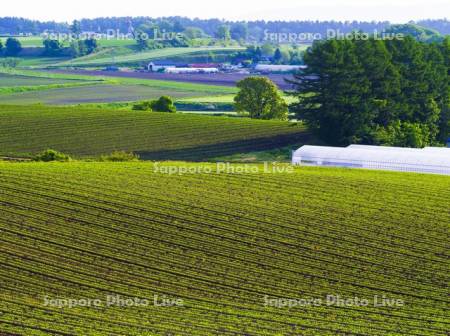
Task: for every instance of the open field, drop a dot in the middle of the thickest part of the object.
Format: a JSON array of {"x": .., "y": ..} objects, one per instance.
[
  {"x": 90, "y": 94},
  {"x": 68, "y": 89},
  {"x": 221, "y": 79},
  {"x": 133, "y": 57},
  {"x": 81, "y": 132},
  {"x": 220, "y": 243},
  {"x": 12, "y": 80}
]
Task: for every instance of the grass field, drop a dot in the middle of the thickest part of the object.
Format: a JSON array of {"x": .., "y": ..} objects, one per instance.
[
  {"x": 143, "y": 56},
  {"x": 25, "y": 130},
  {"x": 90, "y": 94},
  {"x": 10, "y": 80},
  {"x": 219, "y": 243}
]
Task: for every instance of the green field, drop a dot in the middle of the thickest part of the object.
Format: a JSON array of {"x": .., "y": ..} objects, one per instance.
[
  {"x": 132, "y": 57},
  {"x": 26, "y": 130},
  {"x": 91, "y": 94},
  {"x": 10, "y": 80},
  {"x": 220, "y": 243},
  {"x": 67, "y": 89}
]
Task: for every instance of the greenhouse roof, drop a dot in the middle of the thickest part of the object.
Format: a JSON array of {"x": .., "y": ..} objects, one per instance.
[{"x": 409, "y": 159}]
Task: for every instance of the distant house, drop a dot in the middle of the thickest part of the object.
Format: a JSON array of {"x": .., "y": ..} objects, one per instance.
[
  {"x": 268, "y": 68},
  {"x": 157, "y": 66},
  {"x": 205, "y": 65},
  {"x": 191, "y": 70}
]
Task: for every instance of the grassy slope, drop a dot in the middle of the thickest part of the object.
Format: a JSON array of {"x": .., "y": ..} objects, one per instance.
[
  {"x": 142, "y": 56},
  {"x": 220, "y": 242},
  {"x": 86, "y": 132}
]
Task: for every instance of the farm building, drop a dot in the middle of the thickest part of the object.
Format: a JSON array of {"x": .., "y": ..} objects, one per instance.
[
  {"x": 427, "y": 160},
  {"x": 156, "y": 66},
  {"x": 267, "y": 68},
  {"x": 191, "y": 70}
]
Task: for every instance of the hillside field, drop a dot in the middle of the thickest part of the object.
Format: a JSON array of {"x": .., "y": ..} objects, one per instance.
[
  {"x": 133, "y": 57},
  {"x": 26, "y": 130},
  {"x": 224, "y": 248}
]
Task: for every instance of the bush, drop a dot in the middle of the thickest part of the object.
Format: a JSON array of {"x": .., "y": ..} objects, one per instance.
[
  {"x": 143, "y": 106},
  {"x": 119, "y": 156},
  {"x": 52, "y": 155},
  {"x": 164, "y": 104}
]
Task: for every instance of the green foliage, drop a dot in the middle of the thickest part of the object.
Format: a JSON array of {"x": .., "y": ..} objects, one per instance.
[
  {"x": 52, "y": 48},
  {"x": 370, "y": 91},
  {"x": 420, "y": 33},
  {"x": 13, "y": 47},
  {"x": 52, "y": 155},
  {"x": 75, "y": 27},
  {"x": 91, "y": 45},
  {"x": 239, "y": 31},
  {"x": 223, "y": 33},
  {"x": 277, "y": 57},
  {"x": 260, "y": 97},
  {"x": 119, "y": 156},
  {"x": 193, "y": 33},
  {"x": 163, "y": 104},
  {"x": 145, "y": 105}
]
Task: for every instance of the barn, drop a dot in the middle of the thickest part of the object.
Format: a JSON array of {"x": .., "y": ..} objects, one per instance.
[{"x": 433, "y": 160}]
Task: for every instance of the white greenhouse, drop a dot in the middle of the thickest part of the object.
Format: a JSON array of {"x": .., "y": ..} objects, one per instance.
[{"x": 427, "y": 160}]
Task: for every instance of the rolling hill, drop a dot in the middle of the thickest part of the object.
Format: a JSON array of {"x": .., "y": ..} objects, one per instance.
[
  {"x": 136, "y": 57},
  {"x": 221, "y": 253},
  {"x": 82, "y": 132}
]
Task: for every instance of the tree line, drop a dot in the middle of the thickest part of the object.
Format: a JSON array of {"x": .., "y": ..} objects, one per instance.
[
  {"x": 382, "y": 92},
  {"x": 252, "y": 29}
]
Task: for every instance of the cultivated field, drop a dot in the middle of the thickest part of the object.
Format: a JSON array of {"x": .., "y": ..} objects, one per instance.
[
  {"x": 91, "y": 94},
  {"x": 221, "y": 245},
  {"x": 10, "y": 80},
  {"x": 30, "y": 87},
  {"x": 133, "y": 57},
  {"x": 81, "y": 132}
]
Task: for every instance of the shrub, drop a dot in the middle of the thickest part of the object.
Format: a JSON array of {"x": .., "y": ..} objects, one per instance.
[
  {"x": 143, "y": 106},
  {"x": 119, "y": 156},
  {"x": 163, "y": 104},
  {"x": 52, "y": 155}
]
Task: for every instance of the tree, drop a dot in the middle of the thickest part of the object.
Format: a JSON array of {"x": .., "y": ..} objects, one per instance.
[
  {"x": 223, "y": 33},
  {"x": 75, "y": 28},
  {"x": 13, "y": 47},
  {"x": 267, "y": 49},
  {"x": 163, "y": 104},
  {"x": 277, "y": 56},
  {"x": 52, "y": 47},
  {"x": 141, "y": 40},
  {"x": 193, "y": 33},
  {"x": 239, "y": 31},
  {"x": 260, "y": 97},
  {"x": 383, "y": 92},
  {"x": 91, "y": 45},
  {"x": 332, "y": 93},
  {"x": 1, "y": 46}
]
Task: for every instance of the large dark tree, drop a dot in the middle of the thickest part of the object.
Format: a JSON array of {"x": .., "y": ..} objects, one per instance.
[
  {"x": 376, "y": 92},
  {"x": 13, "y": 47}
]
